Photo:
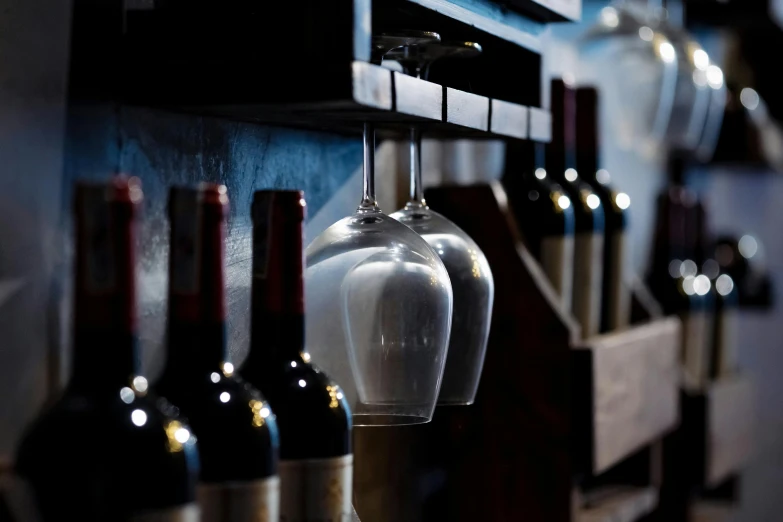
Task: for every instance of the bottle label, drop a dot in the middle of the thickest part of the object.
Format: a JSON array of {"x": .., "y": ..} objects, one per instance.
[
  {"x": 96, "y": 224},
  {"x": 557, "y": 260},
  {"x": 725, "y": 347},
  {"x": 186, "y": 513},
  {"x": 317, "y": 490},
  {"x": 588, "y": 272},
  {"x": 619, "y": 294},
  {"x": 256, "y": 501},
  {"x": 695, "y": 346}
]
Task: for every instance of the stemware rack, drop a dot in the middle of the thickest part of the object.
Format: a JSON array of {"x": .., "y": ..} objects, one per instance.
[{"x": 307, "y": 64}]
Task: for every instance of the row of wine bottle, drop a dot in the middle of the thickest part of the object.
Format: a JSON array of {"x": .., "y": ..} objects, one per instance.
[
  {"x": 266, "y": 442},
  {"x": 571, "y": 219},
  {"x": 575, "y": 225},
  {"x": 691, "y": 281}
]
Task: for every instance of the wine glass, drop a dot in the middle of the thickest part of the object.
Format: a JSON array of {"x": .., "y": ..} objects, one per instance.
[
  {"x": 645, "y": 71},
  {"x": 380, "y": 311},
  {"x": 471, "y": 277},
  {"x": 692, "y": 93}
]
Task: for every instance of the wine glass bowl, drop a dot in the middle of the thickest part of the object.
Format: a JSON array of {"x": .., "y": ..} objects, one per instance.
[
  {"x": 473, "y": 288},
  {"x": 644, "y": 68}
]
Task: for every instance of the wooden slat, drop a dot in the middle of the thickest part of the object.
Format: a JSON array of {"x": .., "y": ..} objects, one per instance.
[
  {"x": 730, "y": 427},
  {"x": 635, "y": 389},
  {"x": 467, "y": 109},
  {"x": 620, "y": 505},
  {"x": 711, "y": 511},
  {"x": 509, "y": 119},
  {"x": 540, "y": 125},
  {"x": 372, "y": 85},
  {"x": 571, "y": 9},
  {"x": 490, "y": 18},
  {"x": 417, "y": 97}
]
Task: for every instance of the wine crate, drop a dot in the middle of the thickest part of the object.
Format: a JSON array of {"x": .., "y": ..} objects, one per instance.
[
  {"x": 549, "y": 407},
  {"x": 626, "y": 392},
  {"x": 729, "y": 427},
  {"x": 618, "y": 505},
  {"x": 712, "y": 511}
]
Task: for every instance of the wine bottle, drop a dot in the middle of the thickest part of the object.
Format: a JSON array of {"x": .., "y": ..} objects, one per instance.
[
  {"x": 588, "y": 214},
  {"x": 236, "y": 430},
  {"x": 107, "y": 449},
  {"x": 615, "y": 292},
  {"x": 675, "y": 277},
  {"x": 544, "y": 215},
  {"x": 316, "y": 462}
]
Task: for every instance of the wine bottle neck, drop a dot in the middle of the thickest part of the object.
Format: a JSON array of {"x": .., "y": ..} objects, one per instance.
[
  {"x": 278, "y": 282},
  {"x": 105, "y": 345},
  {"x": 588, "y": 159},
  {"x": 197, "y": 303}
]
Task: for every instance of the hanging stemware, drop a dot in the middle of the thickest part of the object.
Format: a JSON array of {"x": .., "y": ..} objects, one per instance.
[
  {"x": 468, "y": 269},
  {"x": 381, "y": 311}
]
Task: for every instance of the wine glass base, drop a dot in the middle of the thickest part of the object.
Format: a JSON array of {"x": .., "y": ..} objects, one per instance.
[{"x": 455, "y": 402}]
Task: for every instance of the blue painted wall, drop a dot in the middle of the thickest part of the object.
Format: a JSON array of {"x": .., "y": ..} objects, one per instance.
[{"x": 164, "y": 148}]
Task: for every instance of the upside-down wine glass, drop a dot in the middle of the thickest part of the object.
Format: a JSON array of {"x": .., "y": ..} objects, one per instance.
[
  {"x": 471, "y": 277},
  {"x": 380, "y": 311},
  {"x": 643, "y": 63}
]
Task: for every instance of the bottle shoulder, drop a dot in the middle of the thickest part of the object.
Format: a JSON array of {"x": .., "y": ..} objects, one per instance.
[
  {"x": 300, "y": 388},
  {"x": 142, "y": 426}
]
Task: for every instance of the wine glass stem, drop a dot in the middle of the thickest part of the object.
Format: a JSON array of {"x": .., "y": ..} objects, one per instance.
[
  {"x": 417, "y": 190},
  {"x": 368, "y": 197}
]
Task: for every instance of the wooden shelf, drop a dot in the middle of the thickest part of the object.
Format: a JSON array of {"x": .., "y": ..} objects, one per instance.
[
  {"x": 490, "y": 17},
  {"x": 321, "y": 77},
  {"x": 619, "y": 505},
  {"x": 394, "y": 101},
  {"x": 551, "y": 10},
  {"x": 626, "y": 393}
]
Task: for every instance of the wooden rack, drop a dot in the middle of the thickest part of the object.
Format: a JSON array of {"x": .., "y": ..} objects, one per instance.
[
  {"x": 706, "y": 455},
  {"x": 554, "y": 416}
]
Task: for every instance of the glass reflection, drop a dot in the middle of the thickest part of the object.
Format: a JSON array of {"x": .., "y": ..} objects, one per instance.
[
  {"x": 140, "y": 384},
  {"x": 174, "y": 433},
  {"x": 139, "y": 417},
  {"x": 127, "y": 395},
  {"x": 724, "y": 285}
]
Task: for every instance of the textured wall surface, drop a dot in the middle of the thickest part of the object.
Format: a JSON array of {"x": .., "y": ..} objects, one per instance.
[{"x": 165, "y": 148}]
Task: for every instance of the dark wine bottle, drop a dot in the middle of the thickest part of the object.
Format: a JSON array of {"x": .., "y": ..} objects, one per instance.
[
  {"x": 543, "y": 213},
  {"x": 107, "y": 450},
  {"x": 615, "y": 292},
  {"x": 236, "y": 430},
  {"x": 675, "y": 276},
  {"x": 316, "y": 462},
  {"x": 588, "y": 214}
]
